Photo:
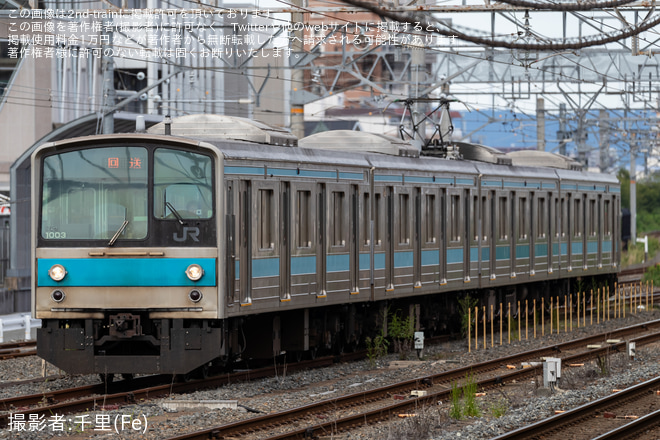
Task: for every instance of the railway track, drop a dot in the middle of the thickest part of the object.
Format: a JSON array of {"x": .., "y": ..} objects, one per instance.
[
  {"x": 10, "y": 350},
  {"x": 349, "y": 411},
  {"x": 626, "y": 413},
  {"x": 127, "y": 392}
]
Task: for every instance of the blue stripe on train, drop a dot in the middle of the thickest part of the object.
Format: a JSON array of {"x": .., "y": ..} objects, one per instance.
[{"x": 135, "y": 272}]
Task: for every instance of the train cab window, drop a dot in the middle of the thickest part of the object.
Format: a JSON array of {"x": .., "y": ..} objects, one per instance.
[
  {"x": 304, "y": 237},
  {"x": 183, "y": 187},
  {"x": 429, "y": 219},
  {"x": 266, "y": 219},
  {"x": 94, "y": 193}
]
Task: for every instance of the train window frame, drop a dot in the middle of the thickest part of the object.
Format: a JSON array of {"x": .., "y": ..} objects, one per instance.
[
  {"x": 577, "y": 217},
  {"x": 485, "y": 216},
  {"x": 503, "y": 217},
  {"x": 304, "y": 226},
  {"x": 429, "y": 217},
  {"x": 607, "y": 231},
  {"x": 379, "y": 216},
  {"x": 593, "y": 218},
  {"x": 365, "y": 219},
  {"x": 402, "y": 227},
  {"x": 523, "y": 221},
  {"x": 455, "y": 215},
  {"x": 541, "y": 217},
  {"x": 339, "y": 211},
  {"x": 266, "y": 218}
]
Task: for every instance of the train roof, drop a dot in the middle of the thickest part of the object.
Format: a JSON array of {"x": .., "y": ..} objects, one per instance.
[{"x": 240, "y": 138}]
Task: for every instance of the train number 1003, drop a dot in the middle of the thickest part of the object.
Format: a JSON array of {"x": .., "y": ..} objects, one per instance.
[{"x": 52, "y": 235}]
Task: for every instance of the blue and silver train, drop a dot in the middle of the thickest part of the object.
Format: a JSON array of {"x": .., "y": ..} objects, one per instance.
[{"x": 217, "y": 238}]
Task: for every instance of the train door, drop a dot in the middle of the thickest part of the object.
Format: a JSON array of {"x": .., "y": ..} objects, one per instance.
[
  {"x": 443, "y": 236},
  {"x": 403, "y": 241},
  {"x": 245, "y": 242},
  {"x": 354, "y": 231},
  {"x": 302, "y": 243},
  {"x": 417, "y": 221},
  {"x": 269, "y": 240},
  {"x": 285, "y": 241},
  {"x": 599, "y": 231},
  {"x": 467, "y": 235},
  {"x": 230, "y": 240},
  {"x": 513, "y": 228},
  {"x": 492, "y": 234},
  {"x": 389, "y": 245},
  {"x": 533, "y": 212},
  {"x": 568, "y": 226},
  {"x": 430, "y": 251},
  {"x": 379, "y": 242},
  {"x": 321, "y": 250}
]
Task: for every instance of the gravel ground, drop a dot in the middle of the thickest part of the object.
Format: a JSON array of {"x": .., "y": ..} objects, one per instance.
[{"x": 520, "y": 403}]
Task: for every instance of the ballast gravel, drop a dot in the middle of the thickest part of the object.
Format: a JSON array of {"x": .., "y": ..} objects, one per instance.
[{"x": 510, "y": 407}]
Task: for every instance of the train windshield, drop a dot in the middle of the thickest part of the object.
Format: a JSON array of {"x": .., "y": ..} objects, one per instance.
[
  {"x": 182, "y": 185},
  {"x": 95, "y": 194}
]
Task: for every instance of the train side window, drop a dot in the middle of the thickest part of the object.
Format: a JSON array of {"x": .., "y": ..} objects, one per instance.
[
  {"x": 606, "y": 218},
  {"x": 503, "y": 218},
  {"x": 455, "y": 217},
  {"x": 303, "y": 205},
  {"x": 541, "y": 218},
  {"x": 429, "y": 218},
  {"x": 564, "y": 216},
  {"x": 577, "y": 217},
  {"x": 266, "y": 220},
  {"x": 404, "y": 219},
  {"x": 485, "y": 218},
  {"x": 475, "y": 217},
  {"x": 337, "y": 230},
  {"x": 378, "y": 216},
  {"x": 593, "y": 218},
  {"x": 522, "y": 218},
  {"x": 365, "y": 221}
]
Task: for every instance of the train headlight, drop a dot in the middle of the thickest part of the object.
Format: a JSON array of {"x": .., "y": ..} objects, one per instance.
[
  {"x": 57, "y": 296},
  {"x": 57, "y": 272},
  {"x": 194, "y": 272}
]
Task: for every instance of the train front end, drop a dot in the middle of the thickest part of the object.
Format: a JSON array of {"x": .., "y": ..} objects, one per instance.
[{"x": 125, "y": 254}]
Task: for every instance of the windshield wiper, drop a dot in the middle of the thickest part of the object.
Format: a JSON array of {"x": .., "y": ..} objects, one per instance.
[
  {"x": 175, "y": 212},
  {"x": 118, "y": 233}
]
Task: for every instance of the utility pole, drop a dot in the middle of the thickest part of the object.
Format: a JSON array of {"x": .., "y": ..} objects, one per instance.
[
  {"x": 540, "y": 124},
  {"x": 561, "y": 134},
  {"x": 108, "y": 65},
  {"x": 297, "y": 75},
  {"x": 604, "y": 145},
  {"x": 633, "y": 188}
]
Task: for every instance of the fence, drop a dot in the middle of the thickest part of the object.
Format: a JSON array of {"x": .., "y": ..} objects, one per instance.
[
  {"x": 627, "y": 298},
  {"x": 19, "y": 326}
]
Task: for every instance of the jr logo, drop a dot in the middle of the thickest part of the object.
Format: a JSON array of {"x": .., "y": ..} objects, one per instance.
[{"x": 192, "y": 232}]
